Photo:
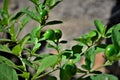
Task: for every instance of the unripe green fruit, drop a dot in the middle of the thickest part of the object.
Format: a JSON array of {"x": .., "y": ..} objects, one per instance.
[
  {"x": 67, "y": 71},
  {"x": 110, "y": 50},
  {"x": 43, "y": 13},
  {"x": 49, "y": 34},
  {"x": 58, "y": 34}
]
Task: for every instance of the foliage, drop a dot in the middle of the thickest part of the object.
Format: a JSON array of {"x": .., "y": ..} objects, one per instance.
[{"x": 88, "y": 45}]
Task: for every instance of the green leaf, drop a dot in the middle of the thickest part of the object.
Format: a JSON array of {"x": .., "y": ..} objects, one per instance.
[
  {"x": 5, "y": 14},
  {"x": 63, "y": 42},
  {"x": 22, "y": 24},
  {"x": 94, "y": 36},
  {"x": 52, "y": 78},
  {"x": 12, "y": 32},
  {"x": 25, "y": 75},
  {"x": 41, "y": 56},
  {"x": 7, "y": 73},
  {"x": 77, "y": 49},
  {"x": 21, "y": 67},
  {"x": 116, "y": 36},
  {"x": 45, "y": 63},
  {"x": 5, "y": 20},
  {"x": 92, "y": 33},
  {"x": 52, "y": 3},
  {"x": 84, "y": 39},
  {"x": 90, "y": 58},
  {"x": 25, "y": 20},
  {"x": 7, "y": 62},
  {"x": 57, "y": 2},
  {"x": 50, "y": 45},
  {"x": 67, "y": 54},
  {"x": 5, "y": 6},
  {"x": 5, "y": 40},
  {"x": 36, "y": 47},
  {"x": 35, "y": 32},
  {"x": 2, "y": 28},
  {"x": 17, "y": 16},
  {"x": 103, "y": 77},
  {"x": 5, "y": 49},
  {"x": 54, "y": 22},
  {"x": 35, "y": 2},
  {"x": 32, "y": 15},
  {"x": 24, "y": 40},
  {"x": 100, "y": 26},
  {"x": 76, "y": 58},
  {"x": 17, "y": 50},
  {"x": 109, "y": 32},
  {"x": 27, "y": 62},
  {"x": 100, "y": 48}
]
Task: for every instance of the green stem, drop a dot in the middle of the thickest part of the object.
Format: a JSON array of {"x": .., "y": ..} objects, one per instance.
[
  {"x": 23, "y": 65},
  {"x": 57, "y": 45},
  {"x": 42, "y": 75}
]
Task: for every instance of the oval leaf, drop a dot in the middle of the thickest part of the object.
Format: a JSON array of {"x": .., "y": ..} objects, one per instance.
[
  {"x": 17, "y": 50},
  {"x": 7, "y": 73},
  {"x": 45, "y": 63},
  {"x": 100, "y": 26},
  {"x": 54, "y": 22},
  {"x": 116, "y": 36},
  {"x": 7, "y": 62},
  {"x": 104, "y": 77},
  {"x": 5, "y": 49}
]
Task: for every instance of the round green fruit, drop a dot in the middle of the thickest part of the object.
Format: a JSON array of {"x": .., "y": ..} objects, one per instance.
[
  {"x": 43, "y": 13},
  {"x": 58, "y": 34},
  {"x": 70, "y": 68},
  {"x": 49, "y": 34},
  {"x": 110, "y": 50}
]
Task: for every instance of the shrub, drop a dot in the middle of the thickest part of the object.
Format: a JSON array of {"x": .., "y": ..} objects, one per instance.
[{"x": 64, "y": 60}]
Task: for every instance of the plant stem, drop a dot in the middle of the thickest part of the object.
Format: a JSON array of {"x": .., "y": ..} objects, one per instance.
[
  {"x": 57, "y": 46},
  {"x": 45, "y": 74},
  {"x": 23, "y": 65}
]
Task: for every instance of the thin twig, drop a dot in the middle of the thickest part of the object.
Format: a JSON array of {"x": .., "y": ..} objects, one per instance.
[{"x": 46, "y": 73}]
